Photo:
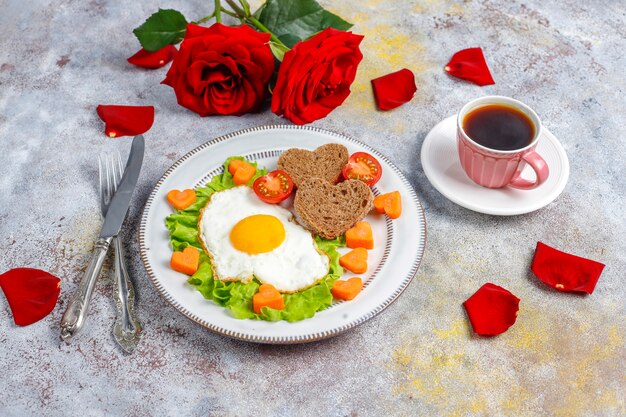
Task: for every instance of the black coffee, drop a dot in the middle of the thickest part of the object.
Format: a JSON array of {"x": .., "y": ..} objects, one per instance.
[{"x": 500, "y": 127}]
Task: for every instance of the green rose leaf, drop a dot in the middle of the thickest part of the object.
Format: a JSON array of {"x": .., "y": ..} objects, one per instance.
[
  {"x": 163, "y": 28},
  {"x": 278, "y": 50},
  {"x": 292, "y": 21}
]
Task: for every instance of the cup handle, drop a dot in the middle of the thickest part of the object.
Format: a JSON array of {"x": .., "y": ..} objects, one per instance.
[{"x": 539, "y": 165}]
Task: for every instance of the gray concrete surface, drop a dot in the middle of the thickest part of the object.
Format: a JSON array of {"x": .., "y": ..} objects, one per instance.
[{"x": 565, "y": 356}]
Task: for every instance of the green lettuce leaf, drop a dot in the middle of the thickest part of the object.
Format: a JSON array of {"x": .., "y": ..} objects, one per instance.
[{"x": 237, "y": 296}]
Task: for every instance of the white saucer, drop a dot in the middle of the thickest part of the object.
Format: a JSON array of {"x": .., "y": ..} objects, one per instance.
[{"x": 441, "y": 164}]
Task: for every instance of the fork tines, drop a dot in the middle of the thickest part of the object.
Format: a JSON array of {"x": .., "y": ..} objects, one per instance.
[{"x": 110, "y": 170}]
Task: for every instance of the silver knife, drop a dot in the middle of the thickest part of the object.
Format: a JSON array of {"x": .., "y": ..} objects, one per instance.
[{"x": 76, "y": 313}]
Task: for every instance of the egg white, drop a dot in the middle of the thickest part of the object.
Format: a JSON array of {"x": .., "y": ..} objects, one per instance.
[{"x": 293, "y": 266}]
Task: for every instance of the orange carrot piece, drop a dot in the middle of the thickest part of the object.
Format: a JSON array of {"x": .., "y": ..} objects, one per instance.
[
  {"x": 347, "y": 290},
  {"x": 393, "y": 205},
  {"x": 268, "y": 296},
  {"x": 241, "y": 171},
  {"x": 235, "y": 164},
  {"x": 379, "y": 203},
  {"x": 390, "y": 203},
  {"x": 243, "y": 174},
  {"x": 180, "y": 200},
  {"x": 360, "y": 236},
  {"x": 355, "y": 261},
  {"x": 186, "y": 261}
]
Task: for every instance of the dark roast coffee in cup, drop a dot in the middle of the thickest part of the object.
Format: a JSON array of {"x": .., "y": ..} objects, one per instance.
[
  {"x": 496, "y": 139},
  {"x": 500, "y": 127}
]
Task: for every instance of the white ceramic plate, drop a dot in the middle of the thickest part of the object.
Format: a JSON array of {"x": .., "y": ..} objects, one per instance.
[
  {"x": 399, "y": 244},
  {"x": 440, "y": 161}
]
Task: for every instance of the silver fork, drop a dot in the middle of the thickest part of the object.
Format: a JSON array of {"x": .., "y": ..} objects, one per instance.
[{"x": 127, "y": 328}]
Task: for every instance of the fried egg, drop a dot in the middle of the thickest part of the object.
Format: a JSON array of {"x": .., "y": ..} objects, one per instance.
[{"x": 245, "y": 237}]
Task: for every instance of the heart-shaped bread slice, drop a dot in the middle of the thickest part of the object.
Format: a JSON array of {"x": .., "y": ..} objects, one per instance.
[
  {"x": 329, "y": 210},
  {"x": 325, "y": 162}
]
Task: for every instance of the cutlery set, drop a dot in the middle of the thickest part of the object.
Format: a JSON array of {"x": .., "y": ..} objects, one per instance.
[{"x": 116, "y": 190}]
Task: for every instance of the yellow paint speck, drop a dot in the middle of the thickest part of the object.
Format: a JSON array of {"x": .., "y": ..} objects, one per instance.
[
  {"x": 543, "y": 365},
  {"x": 457, "y": 330},
  {"x": 455, "y": 10}
]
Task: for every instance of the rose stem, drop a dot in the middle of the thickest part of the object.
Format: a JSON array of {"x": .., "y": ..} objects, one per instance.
[
  {"x": 235, "y": 15},
  {"x": 237, "y": 9},
  {"x": 218, "y": 11},
  {"x": 262, "y": 28},
  {"x": 254, "y": 21},
  {"x": 204, "y": 19},
  {"x": 246, "y": 6}
]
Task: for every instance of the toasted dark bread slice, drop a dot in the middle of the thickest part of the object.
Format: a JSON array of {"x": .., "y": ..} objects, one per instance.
[
  {"x": 329, "y": 210},
  {"x": 325, "y": 162}
]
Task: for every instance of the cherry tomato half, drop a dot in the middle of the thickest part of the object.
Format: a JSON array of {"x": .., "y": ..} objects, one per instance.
[
  {"x": 363, "y": 166},
  {"x": 273, "y": 187}
]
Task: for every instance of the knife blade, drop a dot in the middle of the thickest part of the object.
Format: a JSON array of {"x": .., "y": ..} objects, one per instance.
[
  {"x": 74, "y": 317},
  {"x": 118, "y": 207}
]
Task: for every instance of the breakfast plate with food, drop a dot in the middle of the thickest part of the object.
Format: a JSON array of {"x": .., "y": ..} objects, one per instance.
[{"x": 282, "y": 234}]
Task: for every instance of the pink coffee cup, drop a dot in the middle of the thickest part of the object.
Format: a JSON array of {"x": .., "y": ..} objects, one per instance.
[{"x": 495, "y": 168}]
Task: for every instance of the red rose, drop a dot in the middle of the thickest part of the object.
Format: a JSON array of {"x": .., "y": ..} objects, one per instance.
[
  {"x": 221, "y": 69},
  {"x": 315, "y": 76}
]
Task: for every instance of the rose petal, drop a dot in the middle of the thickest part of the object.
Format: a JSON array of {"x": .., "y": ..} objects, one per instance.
[
  {"x": 31, "y": 293},
  {"x": 564, "y": 271},
  {"x": 153, "y": 60},
  {"x": 395, "y": 89},
  {"x": 126, "y": 120},
  {"x": 469, "y": 64},
  {"x": 491, "y": 310}
]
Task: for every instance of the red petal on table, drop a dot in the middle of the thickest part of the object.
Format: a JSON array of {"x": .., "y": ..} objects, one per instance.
[
  {"x": 395, "y": 89},
  {"x": 153, "y": 60},
  {"x": 564, "y": 271},
  {"x": 491, "y": 310},
  {"x": 126, "y": 120},
  {"x": 469, "y": 64},
  {"x": 31, "y": 293}
]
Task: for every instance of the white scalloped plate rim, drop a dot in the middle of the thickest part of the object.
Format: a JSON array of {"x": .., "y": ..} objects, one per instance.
[{"x": 397, "y": 261}]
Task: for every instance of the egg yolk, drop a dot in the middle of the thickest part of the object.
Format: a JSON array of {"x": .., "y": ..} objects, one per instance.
[{"x": 256, "y": 234}]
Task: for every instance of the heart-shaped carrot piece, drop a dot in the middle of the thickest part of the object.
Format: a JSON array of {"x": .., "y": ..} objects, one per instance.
[
  {"x": 180, "y": 200},
  {"x": 347, "y": 289},
  {"x": 186, "y": 261},
  {"x": 268, "y": 296},
  {"x": 355, "y": 261},
  {"x": 360, "y": 236},
  {"x": 235, "y": 164},
  {"x": 241, "y": 171},
  {"x": 390, "y": 204}
]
